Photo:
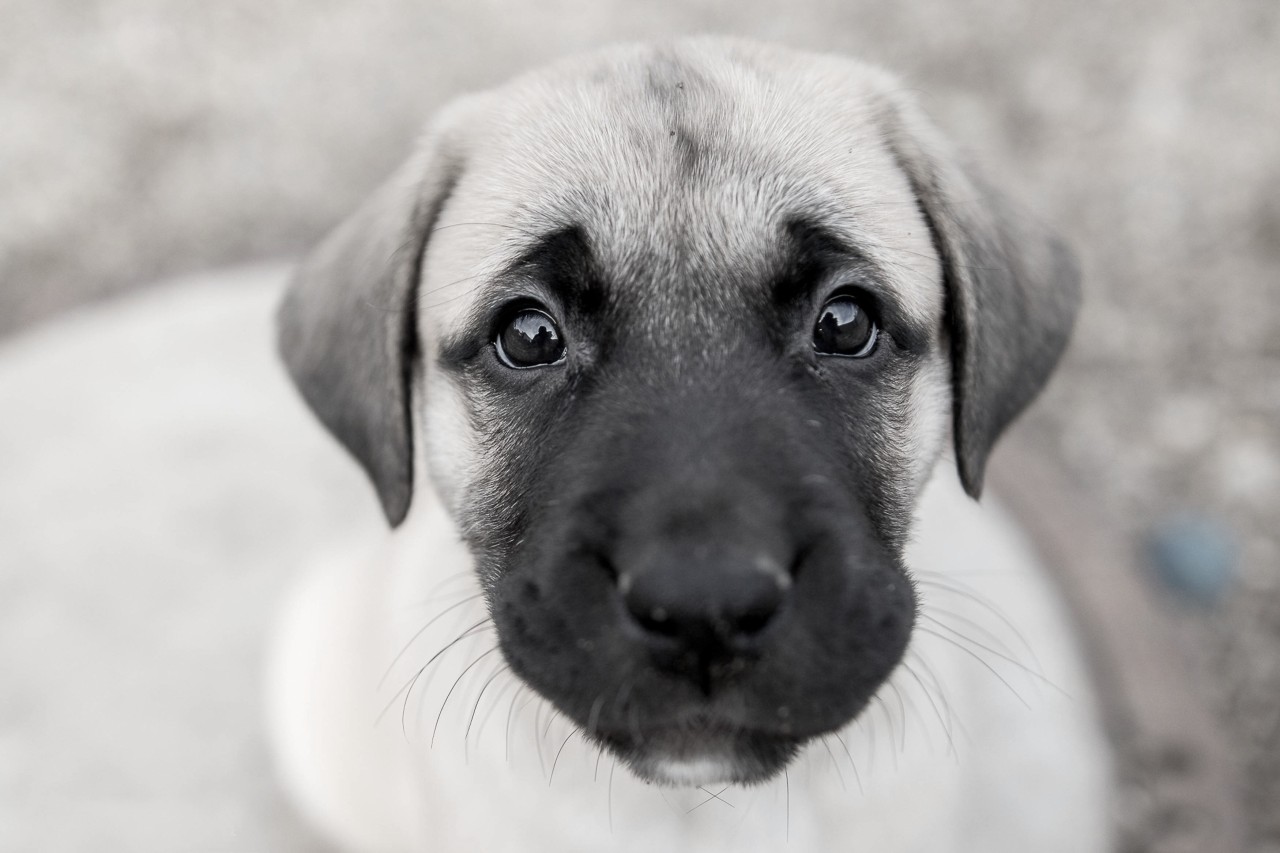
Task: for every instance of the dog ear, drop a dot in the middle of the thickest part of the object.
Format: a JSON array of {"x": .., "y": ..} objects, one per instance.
[
  {"x": 347, "y": 329},
  {"x": 1012, "y": 288}
]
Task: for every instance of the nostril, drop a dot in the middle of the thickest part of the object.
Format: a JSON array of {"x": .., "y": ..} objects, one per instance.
[
  {"x": 754, "y": 621},
  {"x": 703, "y": 607},
  {"x": 610, "y": 569},
  {"x": 755, "y": 604}
]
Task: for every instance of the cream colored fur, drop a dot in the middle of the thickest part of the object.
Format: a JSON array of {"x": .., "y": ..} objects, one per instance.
[{"x": 392, "y": 739}]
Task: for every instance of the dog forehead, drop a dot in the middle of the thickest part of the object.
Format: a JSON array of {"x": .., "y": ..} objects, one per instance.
[{"x": 685, "y": 160}]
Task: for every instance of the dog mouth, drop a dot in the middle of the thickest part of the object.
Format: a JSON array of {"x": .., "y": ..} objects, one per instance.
[{"x": 701, "y": 751}]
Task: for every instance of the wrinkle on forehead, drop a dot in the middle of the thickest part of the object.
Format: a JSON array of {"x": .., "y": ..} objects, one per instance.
[{"x": 683, "y": 171}]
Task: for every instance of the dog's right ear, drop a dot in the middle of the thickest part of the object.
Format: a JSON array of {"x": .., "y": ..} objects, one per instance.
[
  {"x": 347, "y": 328},
  {"x": 1012, "y": 287}
]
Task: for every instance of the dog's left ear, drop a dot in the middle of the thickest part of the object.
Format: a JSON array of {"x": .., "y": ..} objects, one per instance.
[
  {"x": 347, "y": 326},
  {"x": 1012, "y": 287}
]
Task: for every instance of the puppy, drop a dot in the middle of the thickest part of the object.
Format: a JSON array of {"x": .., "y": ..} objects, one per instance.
[{"x": 657, "y": 348}]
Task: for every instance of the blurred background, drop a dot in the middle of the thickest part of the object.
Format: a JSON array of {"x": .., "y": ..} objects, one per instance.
[{"x": 142, "y": 139}]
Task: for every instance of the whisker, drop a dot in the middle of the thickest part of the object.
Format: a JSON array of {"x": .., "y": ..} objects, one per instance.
[
  {"x": 716, "y": 795},
  {"x": 506, "y": 753},
  {"x": 893, "y": 731},
  {"x": 667, "y": 801},
  {"x": 611, "y": 769},
  {"x": 979, "y": 659},
  {"x": 974, "y": 597},
  {"x": 834, "y": 763},
  {"x": 933, "y": 611},
  {"x": 556, "y": 761},
  {"x": 429, "y": 290},
  {"x": 1014, "y": 661},
  {"x": 448, "y": 579},
  {"x": 420, "y": 632},
  {"x": 940, "y": 692},
  {"x": 537, "y": 741},
  {"x": 593, "y": 718},
  {"x": 454, "y": 687},
  {"x": 442, "y": 597},
  {"x": 407, "y": 689},
  {"x": 709, "y": 798},
  {"x": 871, "y": 743},
  {"x": 481, "y": 224},
  {"x": 439, "y": 302},
  {"x": 413, "y": 301},
  {"x": 476, "y": 707},
  {"x": 786, "y": 776},
  {"x": 551, "y": 719},
  {"x": 431, "y": 676},
  {"x": 902, "y": 714},
  {"x": 853, "y": 765},
  {"x": 951, "y": 744},
  {"x": 513, "y": 682}
]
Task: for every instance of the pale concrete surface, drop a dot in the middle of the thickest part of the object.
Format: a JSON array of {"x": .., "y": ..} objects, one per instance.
[{"x": 162, "y": 486}]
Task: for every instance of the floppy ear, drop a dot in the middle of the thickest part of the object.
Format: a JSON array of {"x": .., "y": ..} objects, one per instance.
[
  {"x": 347, "y": 329},
  {"x": 1012, "y": 288}
]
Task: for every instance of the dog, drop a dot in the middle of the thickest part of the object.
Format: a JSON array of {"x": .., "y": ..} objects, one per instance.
[{"x": 652, "y": 356}]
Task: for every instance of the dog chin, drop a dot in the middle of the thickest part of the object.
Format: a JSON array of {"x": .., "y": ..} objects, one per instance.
[
  {"x": 690, "y": 760},
  {"x": 691, "y": 772}
]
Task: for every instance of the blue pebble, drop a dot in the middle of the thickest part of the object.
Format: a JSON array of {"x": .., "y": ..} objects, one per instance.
[{"x": 1194, "y": 556}]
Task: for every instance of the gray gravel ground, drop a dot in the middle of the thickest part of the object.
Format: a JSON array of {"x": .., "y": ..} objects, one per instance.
[{"x": 140, "y": 139}]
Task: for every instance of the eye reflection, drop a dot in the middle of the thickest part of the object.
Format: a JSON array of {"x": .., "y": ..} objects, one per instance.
[
  {"x": 844, "y": 328},
  {"x": 530, "y": 339}
]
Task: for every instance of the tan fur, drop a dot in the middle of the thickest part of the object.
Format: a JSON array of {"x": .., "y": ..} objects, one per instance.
[{"x": 704, "y": 144}]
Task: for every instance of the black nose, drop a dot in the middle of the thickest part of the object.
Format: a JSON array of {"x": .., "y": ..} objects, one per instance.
[{"x": 709, "y": 606}]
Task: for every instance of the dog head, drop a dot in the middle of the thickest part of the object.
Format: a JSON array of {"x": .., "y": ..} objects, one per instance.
[{"x": 685, "y": 327}]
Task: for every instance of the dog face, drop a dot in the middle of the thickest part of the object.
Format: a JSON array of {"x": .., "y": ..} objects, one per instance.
[{"x": 690, "y": 325}]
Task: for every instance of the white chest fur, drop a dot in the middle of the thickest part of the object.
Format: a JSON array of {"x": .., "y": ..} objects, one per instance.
[{"x": 394, "y": 734}]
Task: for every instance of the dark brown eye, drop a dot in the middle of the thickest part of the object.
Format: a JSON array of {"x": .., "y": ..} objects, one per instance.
[
  {"x": 529, "y": 338},
  {"x": 844, "y": 328}
]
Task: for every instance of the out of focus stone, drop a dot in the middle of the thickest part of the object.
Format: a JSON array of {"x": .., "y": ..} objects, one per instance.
[{"x": 1194, "y": 556}]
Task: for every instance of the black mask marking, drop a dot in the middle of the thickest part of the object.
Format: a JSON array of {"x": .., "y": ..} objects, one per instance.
[{"x": 690, "y": 532}]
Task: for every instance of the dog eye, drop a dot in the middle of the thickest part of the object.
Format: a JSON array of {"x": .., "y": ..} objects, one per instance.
[
  {"x": 529, "y": 339},
  {"x": 844, "y": 328}
]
